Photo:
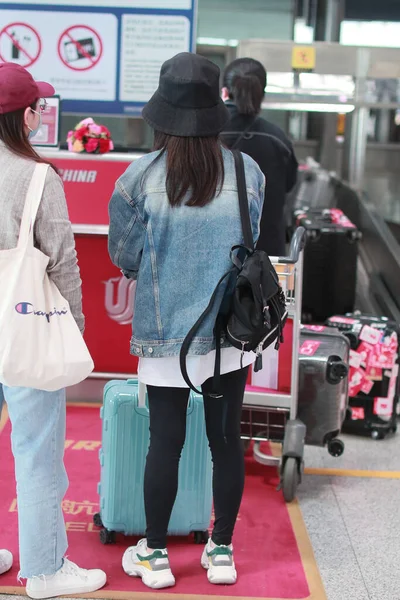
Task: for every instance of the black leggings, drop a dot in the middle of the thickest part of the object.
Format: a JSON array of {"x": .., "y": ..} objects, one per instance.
[{"x": 168, "y": 408}]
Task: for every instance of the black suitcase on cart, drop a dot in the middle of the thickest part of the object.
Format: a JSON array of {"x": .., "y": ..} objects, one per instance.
[
  {"x": 323, "y": 385},
  {"x": 373, "y": 378},
  {"x": 330, "y": 264}
]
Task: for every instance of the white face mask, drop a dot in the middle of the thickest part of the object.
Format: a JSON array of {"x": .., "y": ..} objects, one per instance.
[{"x": 33, "y": 132}]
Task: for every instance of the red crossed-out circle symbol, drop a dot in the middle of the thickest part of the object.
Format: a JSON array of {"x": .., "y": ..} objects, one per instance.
[
  {"x": 80, "y": 48},
  {"x": 20, "y": 43}
]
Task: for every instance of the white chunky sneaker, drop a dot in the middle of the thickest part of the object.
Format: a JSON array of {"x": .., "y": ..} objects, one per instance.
[
  {"x": 6, "y": 561},
  {"x": 70, "y": 579},
  {"x": 152, "y": 566},
  {"x": 218, "y": 560}
]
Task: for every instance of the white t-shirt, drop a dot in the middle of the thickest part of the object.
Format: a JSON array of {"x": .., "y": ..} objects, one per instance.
[{"x": 166, "y": 371}]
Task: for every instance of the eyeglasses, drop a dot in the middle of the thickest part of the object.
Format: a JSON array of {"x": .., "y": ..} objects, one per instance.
[{"x": 42, "y": 104}]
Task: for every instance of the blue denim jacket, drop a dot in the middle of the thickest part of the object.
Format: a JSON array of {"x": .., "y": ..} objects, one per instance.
[{"x": 176, "y": 254}]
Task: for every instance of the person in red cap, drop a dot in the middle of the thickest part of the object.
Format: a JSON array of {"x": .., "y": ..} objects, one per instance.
[{"x": 38, "y": 417}]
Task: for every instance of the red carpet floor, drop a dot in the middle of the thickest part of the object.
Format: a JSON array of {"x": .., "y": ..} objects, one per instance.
[{"x": 272, "y": 551}]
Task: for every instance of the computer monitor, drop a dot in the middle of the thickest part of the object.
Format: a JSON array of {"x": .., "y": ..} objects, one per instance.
[{"x": 49, "y": 132}]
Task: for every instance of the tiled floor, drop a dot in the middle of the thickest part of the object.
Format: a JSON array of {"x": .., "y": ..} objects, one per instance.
[
  {"x": 360, "y": 453},
  {"x": 330, "y": 538},
  {"x": 353, "y": 522}
]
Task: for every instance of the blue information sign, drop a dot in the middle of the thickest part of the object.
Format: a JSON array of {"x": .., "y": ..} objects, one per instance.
[{"x": 102, "y": 56}]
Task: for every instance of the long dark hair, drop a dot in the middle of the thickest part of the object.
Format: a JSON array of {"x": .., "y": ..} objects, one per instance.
[
  {"x": 195, "y": 166},
  {"x": 245, "y": 79},
  {"x": 13, "y": 135}
]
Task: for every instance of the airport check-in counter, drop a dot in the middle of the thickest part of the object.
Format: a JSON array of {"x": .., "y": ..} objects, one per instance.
[{"x": 89, "y": 182}]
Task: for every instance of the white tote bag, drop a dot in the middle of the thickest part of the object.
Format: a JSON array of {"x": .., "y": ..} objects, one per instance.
[{"x": 41, "y": 346}]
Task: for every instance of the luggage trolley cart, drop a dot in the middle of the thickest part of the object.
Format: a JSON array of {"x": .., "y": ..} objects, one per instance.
[{"x": 271, "y": 415}]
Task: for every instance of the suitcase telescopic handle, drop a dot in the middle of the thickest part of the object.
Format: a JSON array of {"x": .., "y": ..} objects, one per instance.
[{"x": 141, "y": 395}]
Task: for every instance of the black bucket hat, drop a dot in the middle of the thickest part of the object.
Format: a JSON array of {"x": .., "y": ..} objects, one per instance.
[{"x": 187, "y": 102}]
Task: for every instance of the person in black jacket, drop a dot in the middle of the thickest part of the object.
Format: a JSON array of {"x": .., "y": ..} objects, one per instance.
[{"x": 244, "y": 83}]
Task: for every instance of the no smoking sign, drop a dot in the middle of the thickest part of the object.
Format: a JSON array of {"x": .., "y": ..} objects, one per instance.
[
  {"x": 20, "y": 43},
  {"x": 80, "y": 48}
]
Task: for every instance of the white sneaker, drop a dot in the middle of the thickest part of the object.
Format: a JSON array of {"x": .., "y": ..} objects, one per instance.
[
  {"x": 6, "y": 561},
  {"x": 218, "y": 560},
  {"x": 70, "y": 579},
  {"x": 153, "y": 568}
]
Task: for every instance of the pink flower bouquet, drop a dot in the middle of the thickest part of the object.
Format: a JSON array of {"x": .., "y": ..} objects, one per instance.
[{"x": 90, "y": 137}]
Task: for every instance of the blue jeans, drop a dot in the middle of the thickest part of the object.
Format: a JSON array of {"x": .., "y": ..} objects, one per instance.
[{"x": 38, "y": 440}]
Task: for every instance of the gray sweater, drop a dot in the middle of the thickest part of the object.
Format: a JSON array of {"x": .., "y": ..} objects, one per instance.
[{"x": 53, "y": 232}]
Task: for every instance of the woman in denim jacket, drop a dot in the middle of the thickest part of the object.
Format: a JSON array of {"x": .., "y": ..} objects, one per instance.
[
  {"x": 174, "y": 218},
  {"x": 38, "y": 417}
]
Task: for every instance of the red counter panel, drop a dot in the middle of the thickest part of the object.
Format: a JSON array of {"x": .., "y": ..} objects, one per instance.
[
  {"x": 88, "y": 186},
  {"x": 89, "y": 181},
  {"x": 108, "y": 307}
]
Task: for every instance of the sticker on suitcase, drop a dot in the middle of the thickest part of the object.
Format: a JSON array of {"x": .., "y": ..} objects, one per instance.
[
  {"x": 374, "y": 373},
  {"x": 365, "y": 352},
  {"x": 357, "y": 413},
  {"x": 393, "y": 382},
  {"x": 357, "y": 380},
  {"x": 316, "y": 328},
  {"x": 383, "y": 407},
  {"x": 355, "y": 359},
  {"x": 339, "y": 218},
  {"x": 343, "y": 320},
  {"x": 309, "y": 347},
  {"x": 367, "y": 386},
  {"x": 370, "y": 335},
  {"x": 384, "y": 355}
]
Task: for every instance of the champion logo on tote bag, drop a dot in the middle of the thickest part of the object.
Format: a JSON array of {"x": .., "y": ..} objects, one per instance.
[{"x": 41, "y": 346}]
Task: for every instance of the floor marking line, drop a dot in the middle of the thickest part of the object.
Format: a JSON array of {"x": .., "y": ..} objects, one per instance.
[{"x": 361, "y": 473}]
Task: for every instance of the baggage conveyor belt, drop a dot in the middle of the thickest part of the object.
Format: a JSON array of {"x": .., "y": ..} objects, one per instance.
[
  {"x": 378, "y": 283},
  {"x": 395, "y": 229}
]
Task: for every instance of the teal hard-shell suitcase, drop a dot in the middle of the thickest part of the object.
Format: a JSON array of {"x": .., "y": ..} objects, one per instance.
[{"x": 125, "y": 442}]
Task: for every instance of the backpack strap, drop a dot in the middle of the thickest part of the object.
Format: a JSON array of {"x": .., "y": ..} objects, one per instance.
[
  {"x": 243, "y": 200},
  {"x": 249, "y": 243},
  {"x": 190, "y": 336}
]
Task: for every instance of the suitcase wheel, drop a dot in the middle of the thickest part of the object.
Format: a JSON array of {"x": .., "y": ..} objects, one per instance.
[
  {"x": 337, "y": 370},
  {"x": 377, "y": 435},
  {"x": 97, "y": 520},
  {"x": 336, "y": 447},
  {"x": 107, "y": 537},
  {"x": 201, "y": 537},
  {"x": 290, "y": 479}
]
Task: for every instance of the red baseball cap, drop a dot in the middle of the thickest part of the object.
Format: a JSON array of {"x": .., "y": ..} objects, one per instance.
[{"x": 18, "y": 89}]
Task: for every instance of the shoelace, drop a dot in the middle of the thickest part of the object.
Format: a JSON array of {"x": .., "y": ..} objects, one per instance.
[
  {"x": 142, "y": 544},
  {"x": 70, "y": 568}
]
